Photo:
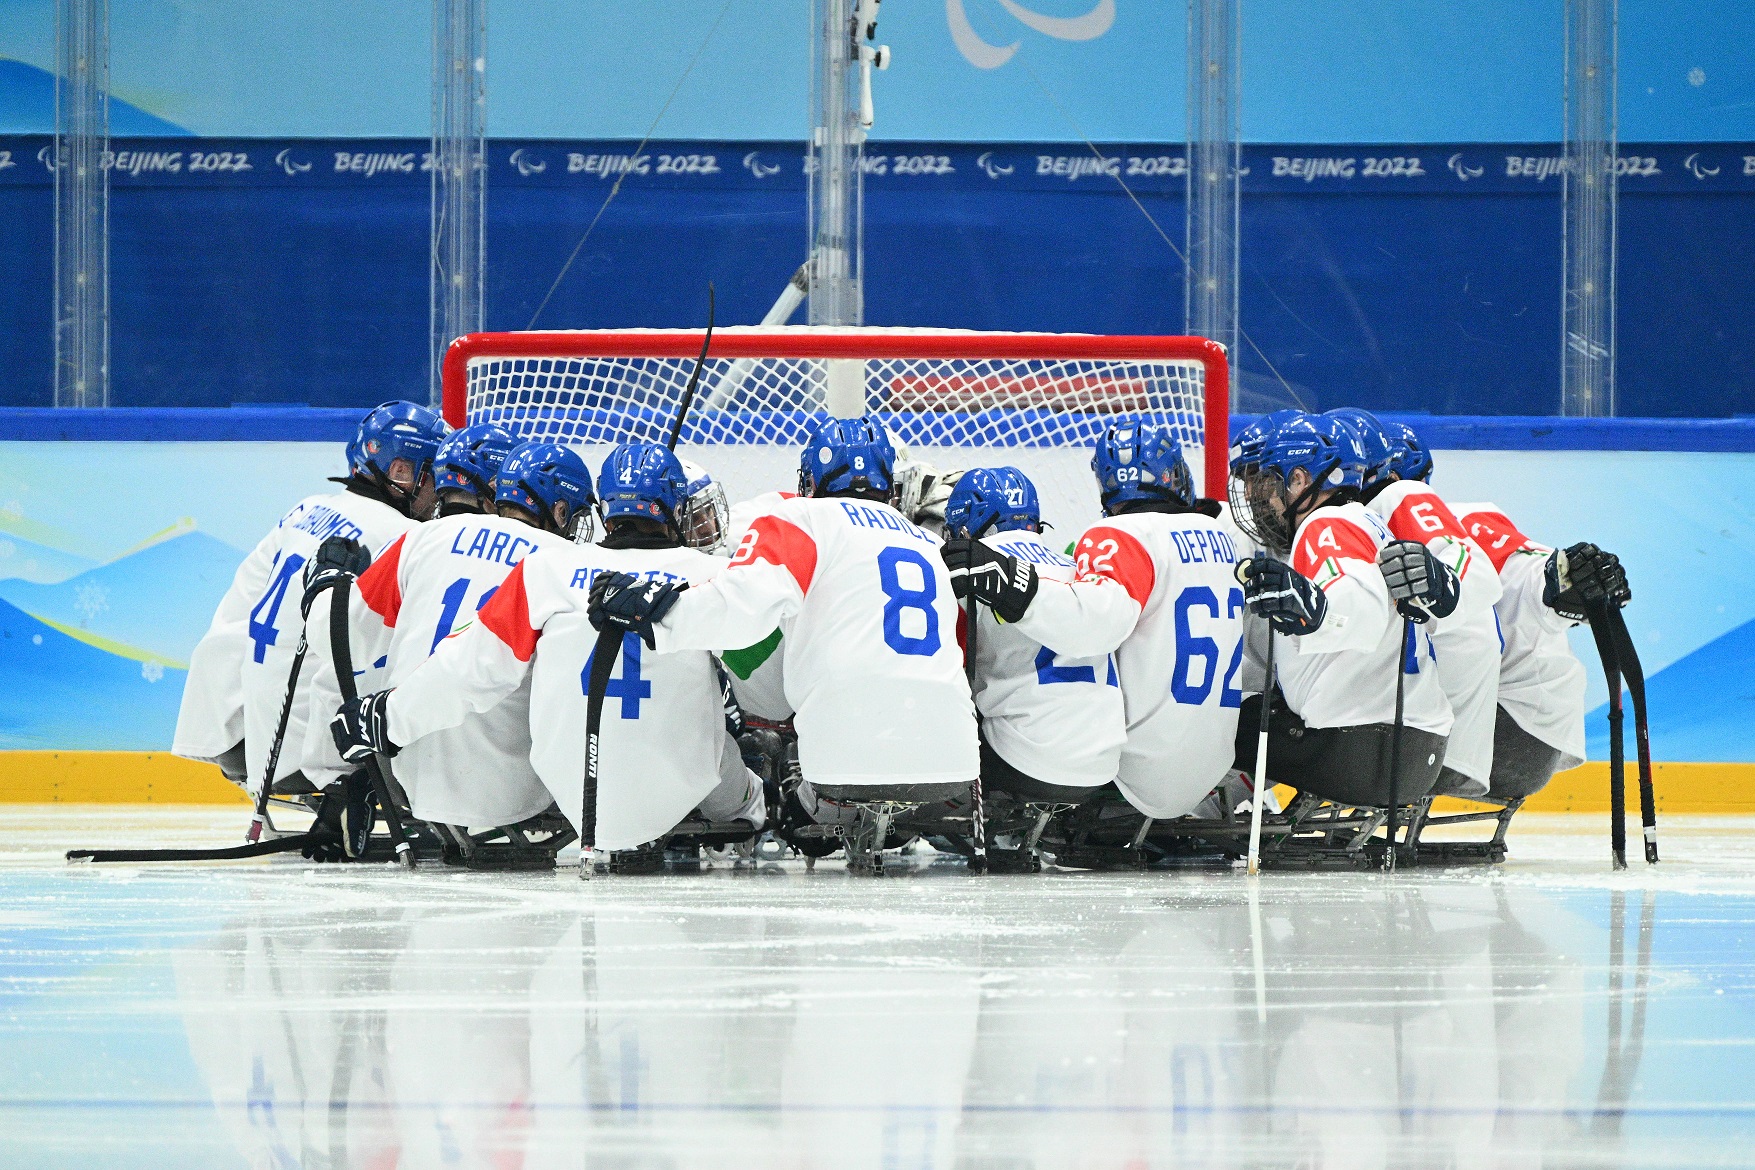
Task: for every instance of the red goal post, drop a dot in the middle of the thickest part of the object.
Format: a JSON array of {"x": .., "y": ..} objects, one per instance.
[{"x": 933, "y": 389}]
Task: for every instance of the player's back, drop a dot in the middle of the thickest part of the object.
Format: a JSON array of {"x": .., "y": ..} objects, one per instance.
[
  {"x": 663, "y": 727},
  {"x": 1344, "y": 674},
  {"x": 1057, "y": 719},
  {"x": 254, "y": 636},
  {"x": 873, "y": 669},
  {"x": 426, "y": 587},
  {"x": 1541, "y": 681},
  {"x": 1180, "y": 667}
]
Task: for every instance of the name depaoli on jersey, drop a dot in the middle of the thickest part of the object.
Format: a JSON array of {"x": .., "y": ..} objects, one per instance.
[
  {"x": 1541, "y": 682},
  {"x": 238, "y": 672},
  {"x": 1467, "y": 641},
  {"x": 1344, "y": 674},
  {"x": 664, "y": 743},
  {"x": 1158, "y": 591},
  {"x": 424, "y": 588},
  {"x": 873, "y": 669}
]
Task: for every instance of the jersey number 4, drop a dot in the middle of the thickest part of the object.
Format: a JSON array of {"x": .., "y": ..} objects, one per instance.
[
  {"x": 1192, "y": 648},
  {"x": 263, "y": 629},
  {"x": 630, "y": 688}
]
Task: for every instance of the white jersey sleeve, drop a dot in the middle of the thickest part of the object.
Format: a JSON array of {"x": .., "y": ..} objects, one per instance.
[
  {"x": 1344, "y": 674},
  {"x": 1056, "y": 718},
  {"x": 1541, "y": 681},
  {"x": 273, "y": 625},
  {"x": 873, "y": 668},
  {"x": 1467, "y": 641},
  {"x": 663, "y": 720}
]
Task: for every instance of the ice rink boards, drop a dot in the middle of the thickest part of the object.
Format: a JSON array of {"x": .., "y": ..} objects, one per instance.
[{"x": 276, "y": 1014}]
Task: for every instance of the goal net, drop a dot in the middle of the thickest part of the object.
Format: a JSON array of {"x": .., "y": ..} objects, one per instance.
[{"x": 952, "y": 398}]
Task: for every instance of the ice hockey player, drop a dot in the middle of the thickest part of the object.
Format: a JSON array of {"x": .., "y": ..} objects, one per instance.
[
  {"x": 427, "y": 586},
  {"x": 1155, "y": 586},
  {"x": 1052, "y": 728},
  {"x": 1294, "y": 489},
  {"x": 873, "y": 669},
  {"x": 240, "y": 671},
  {"x": 1539, "y": 728},
  {"x": 1466, "y": 641},
  {"x": 706, "y": 514},
  {"x": 664, "y": 750}
]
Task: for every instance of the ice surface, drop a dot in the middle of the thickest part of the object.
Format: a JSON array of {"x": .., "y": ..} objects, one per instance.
[{"x": 276, "y": 1014}]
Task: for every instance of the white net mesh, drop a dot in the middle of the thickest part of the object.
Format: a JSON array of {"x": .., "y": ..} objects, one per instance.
[{"x": 1043, "y": 414}]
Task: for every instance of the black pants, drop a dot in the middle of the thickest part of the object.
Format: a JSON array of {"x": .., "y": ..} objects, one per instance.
[
  {"x": 1348, "y": 765},
  {"x": 999, "y": 776},
  {"x": 1522, "y": 764}
]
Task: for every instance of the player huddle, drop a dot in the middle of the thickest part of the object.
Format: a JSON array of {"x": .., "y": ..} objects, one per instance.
[{"x": 866, "y": 667}]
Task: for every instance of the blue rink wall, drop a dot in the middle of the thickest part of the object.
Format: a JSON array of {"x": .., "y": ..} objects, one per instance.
[
  {"x": 114, "y": 552},
  {"x": 1416, "y": 276}
]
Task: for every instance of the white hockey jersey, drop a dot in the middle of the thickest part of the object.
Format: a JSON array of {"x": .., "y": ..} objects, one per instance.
[
  {"x": 1159, "y": 591},
  {"x": 873, "y": 668},
  {"x": 1466, "y": 642},
  {"x": 1343, "y": 674},
  {"x": 427, "y": 586},
  {"x": 663, "y": 730},
  {"x": 1541, "y": 681},
  {"x": 1058, "y": 720},
  {"x": 238, "y": 672},
  {"x": 758, "y": 672}
]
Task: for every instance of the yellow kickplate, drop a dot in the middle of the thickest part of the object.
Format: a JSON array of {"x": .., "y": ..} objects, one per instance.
[
  {"x": 112, "y": 778},
  {"x": 1681, "y": 789}
]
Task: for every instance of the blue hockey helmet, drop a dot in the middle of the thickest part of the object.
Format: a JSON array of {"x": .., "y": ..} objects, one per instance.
[
  {"x": 1410, "y": 459},
  {"x": 643, "y": 479},
  {"x": 1138, "y": 459},
  {"x": 1377, "y": 440},
  {"x": 846, "y": 454},
  {"x": 469, "y": 459},
  {"x": 537, "y": 476},
  {"x": 1268, "y": 453},
  {"x": 997, "y": 499},
  {"x": 392, "y": 431}
]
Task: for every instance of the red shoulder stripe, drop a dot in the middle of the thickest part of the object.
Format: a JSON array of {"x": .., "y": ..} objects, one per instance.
[
  {"x": 1497, "y": 536},
  {"x": 1117, "y": 555},
  {"x": 1332, "y": 537},
  {"x": 379, "y": 587},
  {"x": 507, "y": 614},
  {"x": 782, "y": 543}
]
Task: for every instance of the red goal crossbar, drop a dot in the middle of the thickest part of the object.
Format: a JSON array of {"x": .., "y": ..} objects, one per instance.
[{"x": 855, "y": 344}]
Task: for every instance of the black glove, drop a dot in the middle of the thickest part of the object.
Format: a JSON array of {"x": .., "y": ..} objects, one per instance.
[
  {"x": 627, "y": 602},
  {"x": 1419, "y": 583},
  {"x": 1579, "y": 578},
  {"x": 337, "y": 558},
  {"x": 362, "y": 727},
  {"x": 1005, "y": 584},
  {"x": 344, "y": 821},
  {"x": 1283, "y": 595}
]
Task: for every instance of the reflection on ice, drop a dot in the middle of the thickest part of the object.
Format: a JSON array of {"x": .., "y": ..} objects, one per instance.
[{"x": 931, "y": 1022}]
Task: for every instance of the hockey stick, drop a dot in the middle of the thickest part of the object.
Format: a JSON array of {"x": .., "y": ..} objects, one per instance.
[
  {"x": 234, "y": 853},
  {"x": 260, "y": 816},
  {"x": 1395, "y": 740},
  {"x": 1606, "y": 650},
  {"x": 1628, "y": 658},
  {"x": 688, "y": 398},
  {"x": 342, "y": 652},
  {"x": 1262, "y": 786},
  {"x": 603, "y": 655},
  {"x": 977, "y": 803}
]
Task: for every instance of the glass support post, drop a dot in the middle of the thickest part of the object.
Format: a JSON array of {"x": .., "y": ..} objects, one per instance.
[
  {"x": 459, "y": 177},
  {"x": 1214, "y": 202},
  {"x": 82, "y": 203},
  {"x": 1588, "y": 223}
]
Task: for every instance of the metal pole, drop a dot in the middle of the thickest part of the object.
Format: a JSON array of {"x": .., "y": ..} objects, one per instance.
[
  {"x": 82, "y": 203},
  {"x": 459, "y": 177},
  {"x": 1214, "y": 144},
  {"x": 1587, "y": 308},
  {"x": 837, "y": 203}
]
